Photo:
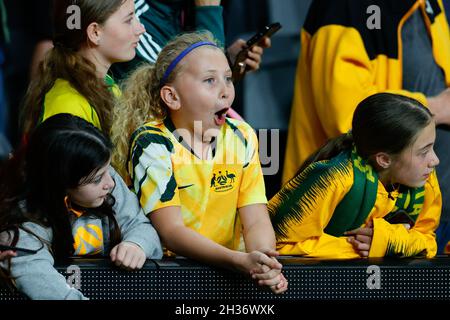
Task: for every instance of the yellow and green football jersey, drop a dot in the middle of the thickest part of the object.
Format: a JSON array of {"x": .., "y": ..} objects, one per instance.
[
  {"x": 63, "y": 98},
  {"x": 166, "y": 172}
]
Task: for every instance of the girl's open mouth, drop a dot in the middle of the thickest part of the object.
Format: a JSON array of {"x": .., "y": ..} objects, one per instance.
[{"x": 219, "y": 116}]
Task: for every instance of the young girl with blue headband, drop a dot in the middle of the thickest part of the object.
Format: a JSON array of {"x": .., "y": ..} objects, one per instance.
[{"x": 196, "y": 173}]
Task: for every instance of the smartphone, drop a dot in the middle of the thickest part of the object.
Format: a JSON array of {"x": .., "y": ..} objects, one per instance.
[
  {"x": 267, "y": 31},
  {"x": 400, "y": 217},
  {"x": 20, "y": 250},
  {"x": 239, "y": 68}
]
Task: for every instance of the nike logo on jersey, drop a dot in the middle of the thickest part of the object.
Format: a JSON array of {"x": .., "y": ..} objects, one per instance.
[{"x": 184, "y": 187}]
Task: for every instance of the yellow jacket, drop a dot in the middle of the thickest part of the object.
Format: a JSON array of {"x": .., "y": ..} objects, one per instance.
[
  {"x": 302, "y": 232},
  {"x": 342, "y": 62}
]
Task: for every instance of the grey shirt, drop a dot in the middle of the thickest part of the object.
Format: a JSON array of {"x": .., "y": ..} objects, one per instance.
[{"x": 35, "y": 275}]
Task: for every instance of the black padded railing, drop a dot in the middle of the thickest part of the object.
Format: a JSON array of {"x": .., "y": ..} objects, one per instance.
[{"x": 309, "y": 279}]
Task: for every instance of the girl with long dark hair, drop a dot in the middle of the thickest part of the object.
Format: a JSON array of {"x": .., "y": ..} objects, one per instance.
[{"x": 62, "y": 198}]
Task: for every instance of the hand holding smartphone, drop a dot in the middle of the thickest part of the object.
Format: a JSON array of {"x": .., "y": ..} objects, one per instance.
[{"x": 239, "y": 67}]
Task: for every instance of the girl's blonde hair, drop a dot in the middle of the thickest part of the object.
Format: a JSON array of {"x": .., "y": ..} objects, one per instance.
[{"x": 141, "y": 100}]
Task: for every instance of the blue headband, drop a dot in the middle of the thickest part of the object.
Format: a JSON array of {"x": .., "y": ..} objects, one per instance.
[{"x": 183, "y": 53}]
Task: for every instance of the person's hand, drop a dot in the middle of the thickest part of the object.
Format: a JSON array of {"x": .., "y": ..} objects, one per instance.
[
  {"x": 128, "y": 255},
  {"x": 7, "y": 254},
  {"x": 254, "y": 55},
  {"x": 263, "y": 267},
  {"x": 201, "y": 3},
  {"x": 282, "y": 285},
  {"x": 273, "y": 278},
  {"x": 361, "y": 239},
  {"x": 440, "y": 107},
  {"x": 251, "y": 262}
]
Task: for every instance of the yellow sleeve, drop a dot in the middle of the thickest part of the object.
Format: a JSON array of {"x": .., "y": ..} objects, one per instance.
[
  {"x": 151, "y": 171},
  {"x": 395, "y": 239},
  {"x": 342, "y": 75},
  {"x": 303, "y": 232},
  {"x": 74, "y": 104},
  {"x": 252, "y": 189}
]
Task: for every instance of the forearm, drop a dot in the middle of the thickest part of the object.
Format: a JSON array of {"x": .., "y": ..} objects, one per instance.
[
  {"x": 134, "y": 225},
  {"x": 257, "y": 228},
  {"x": 209, "y": 16},
  {"x": 189, "y": 243},
  {"x": 260, "y": 236}
]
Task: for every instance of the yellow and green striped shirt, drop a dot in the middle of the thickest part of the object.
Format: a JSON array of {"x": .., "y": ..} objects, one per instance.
[{"x": 165, "y": 172}]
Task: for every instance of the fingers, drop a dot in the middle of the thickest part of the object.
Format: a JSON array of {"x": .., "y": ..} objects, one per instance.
[
  {"x": 364, "y": 253},
  {"x": 360, "y": 247},
  {"x": 360, "y": 231},
  {"x": 267, "y": 274},
  {"x": 266, "y": 43},
  {"x": 240, "y": 43},
  {"x": 272, "y": 263},
  {"x": 273, "y": 279},
  {"x": 281, "y": 286},
  {"x": 134, "y": 261},
  {"x": 235, "y": 48},
  {"x": 113, "y": 253},
  {"x": 253, "y": 60},
  {"x": 256, "y": 51},
  {"x": 139, "y": 261},
  {"x": 6, "y": 254},
  {"x": 262, "y": 265},
  {"x": 254, "y": 56},
  {"x": 117, "y": 256},
  {"x": 270, "y": 282},
  {"x": 363, "y": 239}
]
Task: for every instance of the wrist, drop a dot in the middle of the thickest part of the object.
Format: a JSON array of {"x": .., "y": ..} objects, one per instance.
[
  {"x": 237, "y": 259},
  {"x": 131, "y": 244}
]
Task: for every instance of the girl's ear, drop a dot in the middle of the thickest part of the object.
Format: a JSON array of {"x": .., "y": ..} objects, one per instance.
[
  {"x": 383, "y": 160},
  {"x": 94, "y": 33},
  {"x": 170, "y": 97}
]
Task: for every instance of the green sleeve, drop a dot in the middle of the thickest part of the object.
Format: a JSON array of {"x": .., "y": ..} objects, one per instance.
[{"x": 210, "y": 18}]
